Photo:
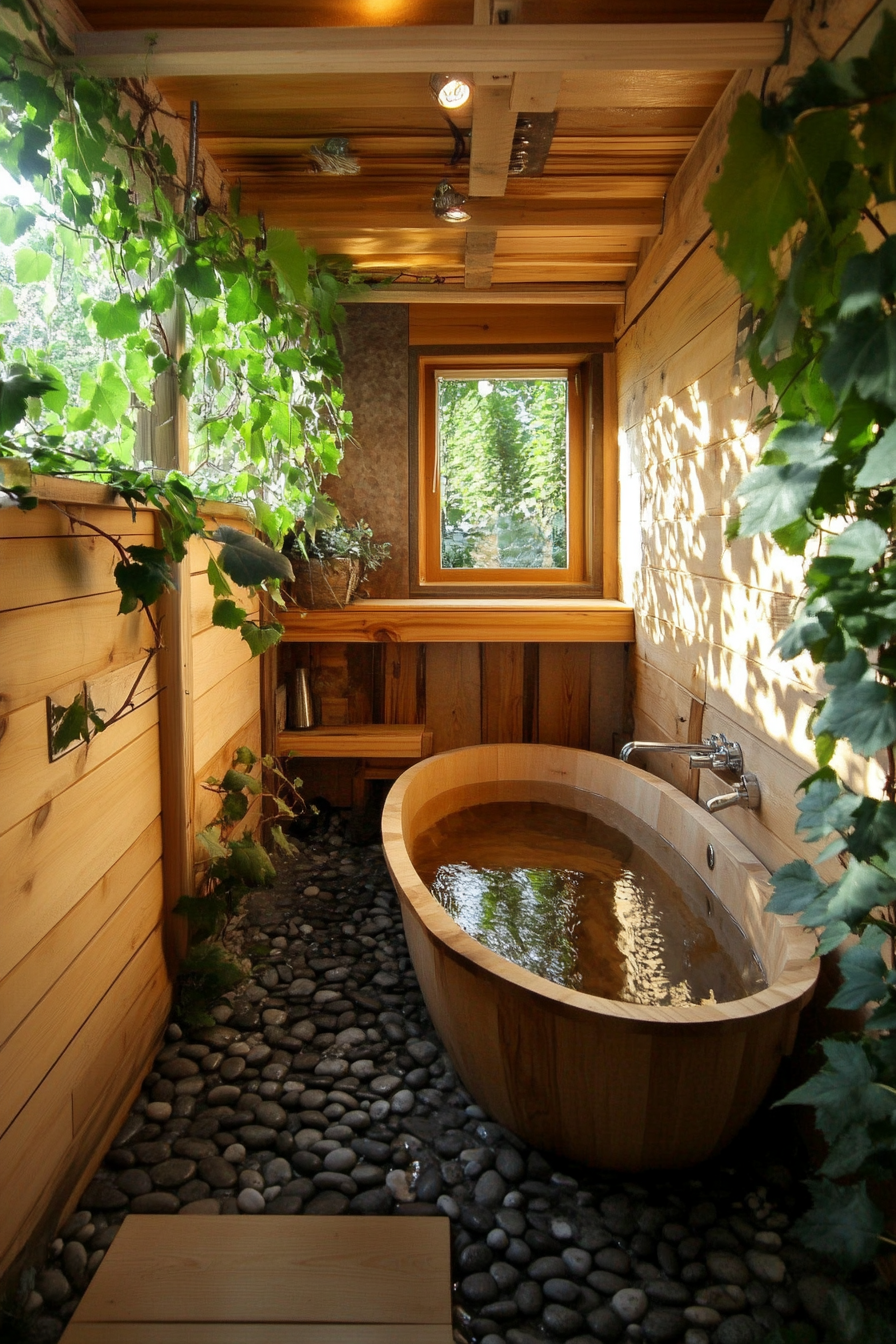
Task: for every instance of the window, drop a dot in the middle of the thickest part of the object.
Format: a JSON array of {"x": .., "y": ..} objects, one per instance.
[{"x": 503, "y": 491}]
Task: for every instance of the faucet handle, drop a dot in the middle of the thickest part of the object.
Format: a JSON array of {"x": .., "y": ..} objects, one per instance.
[
  {"x": 726, "y": 755},
  {"x": 746, "y": 793}
]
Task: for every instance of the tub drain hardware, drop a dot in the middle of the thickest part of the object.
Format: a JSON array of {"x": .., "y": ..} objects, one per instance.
[{"x": 710, "y": 857}]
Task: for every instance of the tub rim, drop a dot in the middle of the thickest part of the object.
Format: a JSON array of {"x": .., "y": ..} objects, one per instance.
[{"x": 793, "y": 985}]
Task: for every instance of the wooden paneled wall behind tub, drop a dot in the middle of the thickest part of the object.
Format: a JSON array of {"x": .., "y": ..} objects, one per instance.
[
  {"x": 708, "y": 613},
  {"x": 85, "y": 990}
]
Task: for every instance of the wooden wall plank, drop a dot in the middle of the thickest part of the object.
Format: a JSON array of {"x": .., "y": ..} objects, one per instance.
[
  {"x": 45, "y": 648},
  {"x": 34, "y": 976},
  {"x": 404, "y": 674},
  {"x": 47, "y": 521},
  {"x": 100, "y": 1065},
  {"x": 607, "y": 707},
  {"x": 564, "y": 694},
  {"x": 453, "y": 695},
  {"x": 41, "y": 1038},
  {"x": 219, "y": 713},
  {"x": 55, "y": 856},
  {"x": 29, "y": 780},
  {"x": 502, "y": 692},
  {"x": 217, "y": 654},
  {"x": 61, "y": 568},
  {"x": 206, "y": 803},
  {"x": 470, "y": 324}
]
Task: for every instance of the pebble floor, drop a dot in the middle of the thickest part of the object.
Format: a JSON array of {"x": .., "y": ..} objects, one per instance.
[{"x": 323, "y": 1089}]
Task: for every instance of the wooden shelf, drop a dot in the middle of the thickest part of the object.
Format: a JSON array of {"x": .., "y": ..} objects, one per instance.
[
  {"x": 469, "y": 620},
  {"x": 393, "y": 741}
]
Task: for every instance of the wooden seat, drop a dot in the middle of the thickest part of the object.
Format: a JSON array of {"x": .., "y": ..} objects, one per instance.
[
  {"x": 237, "y": 1280},
  {"x": 405, "y": 741}
]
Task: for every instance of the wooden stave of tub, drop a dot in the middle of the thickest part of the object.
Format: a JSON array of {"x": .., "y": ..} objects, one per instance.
[{"x": 650, "y": 1087}]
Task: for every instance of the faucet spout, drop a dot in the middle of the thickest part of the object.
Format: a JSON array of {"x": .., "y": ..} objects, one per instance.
[{"x": 675, "y": 748}]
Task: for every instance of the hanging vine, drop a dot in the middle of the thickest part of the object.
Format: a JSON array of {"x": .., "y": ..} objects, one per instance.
[
  {"x": 101, "y": 205},
  {"x": 800, "y": 213}
]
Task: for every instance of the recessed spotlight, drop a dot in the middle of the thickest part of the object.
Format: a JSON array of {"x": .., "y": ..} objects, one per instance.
[
  {"x": 448, "y": 204},
  {"x": 450, "y": 91}
]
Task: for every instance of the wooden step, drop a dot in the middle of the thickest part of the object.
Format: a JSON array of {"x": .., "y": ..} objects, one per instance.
[
  {"x": 167, "y": 1279},
  {"x": 404, "y": 741}
]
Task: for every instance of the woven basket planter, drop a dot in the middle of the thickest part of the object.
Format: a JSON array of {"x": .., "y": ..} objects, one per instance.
[{"x": 325, "y": 583}]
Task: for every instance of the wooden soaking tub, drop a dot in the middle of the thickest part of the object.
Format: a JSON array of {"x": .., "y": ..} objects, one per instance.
[{"x": 607, "y": 1083}]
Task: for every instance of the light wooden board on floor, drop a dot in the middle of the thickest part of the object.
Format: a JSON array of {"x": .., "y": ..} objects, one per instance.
[
  {"x": 364, "y": 1271},
  {"x": 102, "y": 1332}
]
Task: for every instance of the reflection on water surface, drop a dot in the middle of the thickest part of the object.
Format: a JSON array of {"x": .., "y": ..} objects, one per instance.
[{"x": 574, "y": 900}]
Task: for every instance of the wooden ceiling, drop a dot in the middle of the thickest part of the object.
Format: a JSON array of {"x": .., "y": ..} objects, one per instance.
[{"x": 621, "y": 135}]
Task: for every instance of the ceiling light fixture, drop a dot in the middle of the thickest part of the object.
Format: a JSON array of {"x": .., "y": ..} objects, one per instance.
[
  {"x": 450, "y": 91},
  {"x": 448, "y": 204}
]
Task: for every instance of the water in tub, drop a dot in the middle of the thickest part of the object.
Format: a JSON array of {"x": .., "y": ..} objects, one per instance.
[{"x": 572, "y": 898}]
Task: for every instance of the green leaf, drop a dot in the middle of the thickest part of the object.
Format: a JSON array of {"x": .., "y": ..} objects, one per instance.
[
  {"x": 862, "y": 542},
  {"x": 70, "y": 725},
  {"x": 8, "y": 310},
  {"x": 777, "y": 494},
  {"x": 289, "y": 259},
  {"x": 249, "y": 863},
  {"x": 203, "y": 912},
  {"x": 879, "y": 467},
  {"x": 843, "y": 1223},
  {"x": 15, "y": 393},
  {"x": 237, "y": 779},
  {"x": 226, "y": 613},
  {"x": 260, "y": 638},
  {"x": 143, "y": 578},
  {"x": 247, "y": 560},
  {"x": 281, "y": 841},
  {"x": 198, "y": 277},
  {"x": 859, "y": 890},
  {"x": 848, "y": 1151},
  {"x": 234, "y": 807},
  {"x": 244, "y": 756},
  {"x": 862, "y": 355},
  {"x": 210, "y": 840},
  {"x": 31, "y": 266},
  {"x": 843, "y": 1091},
  {"x": 110, "y": 397},
  {"x": 240, "y": 305},
  {"x": 220, "y": 586},
  {"x": 795, "y": 885},
  {"x": 116, "y": 320},
  {"x": 864, "y": 972},
  {"x": 757, "y": 184},
  {"x": 859, "y": 707}
]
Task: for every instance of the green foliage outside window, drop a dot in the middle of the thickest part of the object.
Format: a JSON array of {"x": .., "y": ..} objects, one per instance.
[
  {"x": 503, "y": 459},
  {"x": 798, "y": 215},
  {"x": 105, "y": 244}
]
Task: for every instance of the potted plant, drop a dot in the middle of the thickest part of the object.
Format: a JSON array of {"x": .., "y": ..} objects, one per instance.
[{"x": 330, "y": 565}]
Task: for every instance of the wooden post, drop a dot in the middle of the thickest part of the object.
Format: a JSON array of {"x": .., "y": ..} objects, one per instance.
[
  {"x": 170, "y": 451},
  {"x": 610, "y": 504}
]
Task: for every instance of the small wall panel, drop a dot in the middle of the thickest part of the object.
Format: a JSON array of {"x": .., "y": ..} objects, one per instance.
[
  {"x": 564, "y": 694},
  {"x": 404, "y": 673},
  {"x": 502, "y": 692},
  {"x": 453, "y": 695}
]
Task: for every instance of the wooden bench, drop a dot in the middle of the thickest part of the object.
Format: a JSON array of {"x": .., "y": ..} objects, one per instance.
[
  {"x": 384, "y": 749},
  {"x": 168, "y": 1279}
]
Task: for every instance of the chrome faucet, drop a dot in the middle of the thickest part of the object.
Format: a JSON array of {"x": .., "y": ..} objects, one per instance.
[{"x": 714, "y": 753}]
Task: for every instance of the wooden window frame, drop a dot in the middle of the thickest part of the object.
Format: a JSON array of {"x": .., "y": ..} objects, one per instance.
[{"x": 584, "y": 492}]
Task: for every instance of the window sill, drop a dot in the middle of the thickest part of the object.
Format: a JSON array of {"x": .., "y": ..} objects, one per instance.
[{"x": 545, "y": 620}]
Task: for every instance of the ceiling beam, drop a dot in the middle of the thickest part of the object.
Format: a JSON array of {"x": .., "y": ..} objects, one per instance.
[
  {"x": 535, "y": 92},
  {"x": 479, "y": 258},
  {"x": 476, "y": 49},
  {"x": 503, "y": 294},
  {"x": 491, "y": 141}
]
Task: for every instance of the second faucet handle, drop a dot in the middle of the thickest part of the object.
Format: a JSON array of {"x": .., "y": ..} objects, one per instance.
[{"x": 720, "y": 754}]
